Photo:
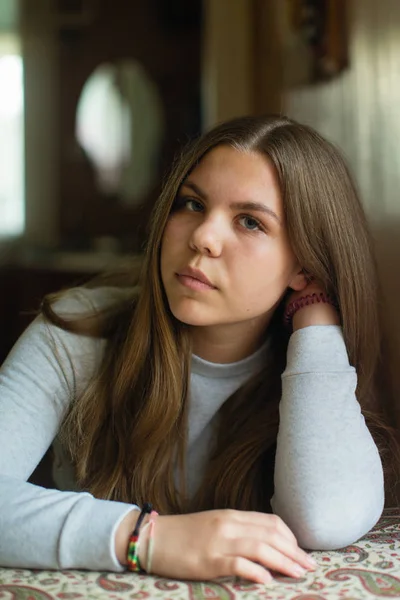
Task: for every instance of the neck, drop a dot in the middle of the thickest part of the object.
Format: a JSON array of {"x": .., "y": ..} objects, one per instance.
[{"x": 226, "y": 344}]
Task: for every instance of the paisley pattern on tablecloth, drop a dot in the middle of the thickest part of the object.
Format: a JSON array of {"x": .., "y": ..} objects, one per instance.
[
  {"x": 360, "y": 554},
  {"x": 21, "y": 592},
  {"x": 377, "y": 583},
  {"x": 107, "y": 582},
  {"x": 210, "y": 591},
  {"x": 369, "y": 568}
]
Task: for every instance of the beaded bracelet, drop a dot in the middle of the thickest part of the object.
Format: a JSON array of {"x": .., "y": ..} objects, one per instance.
[
  {"x": 294, "y": 306},
  {"x": 133, "y": 545}
]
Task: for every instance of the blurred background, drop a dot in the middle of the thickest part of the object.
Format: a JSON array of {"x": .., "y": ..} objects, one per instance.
[{"x": 97, "y": 96}]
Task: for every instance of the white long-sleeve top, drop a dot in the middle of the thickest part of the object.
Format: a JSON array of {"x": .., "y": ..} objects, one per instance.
[{"x": 328, "y": 474}]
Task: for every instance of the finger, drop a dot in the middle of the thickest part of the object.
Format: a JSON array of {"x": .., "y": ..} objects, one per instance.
[
  {"x": 271, "y": 522},
  {"x": 276, "y": 540},
  {"x": 284, "y": 560},
  {"x": 238, "y": 566},
  {"x": 292, "y": 551}
]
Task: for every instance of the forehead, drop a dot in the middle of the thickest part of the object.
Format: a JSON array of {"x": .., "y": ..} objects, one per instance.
[{"x": 233, "y": 172}]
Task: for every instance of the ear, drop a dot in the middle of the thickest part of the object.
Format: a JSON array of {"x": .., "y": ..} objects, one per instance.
[{"x": 299, "y": 281}]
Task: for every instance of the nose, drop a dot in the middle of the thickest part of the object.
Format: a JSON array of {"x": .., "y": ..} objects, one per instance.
[{"x": 206, "y": 239}]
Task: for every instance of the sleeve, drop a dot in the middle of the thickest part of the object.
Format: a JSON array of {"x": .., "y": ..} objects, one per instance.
[
  {"x": 42, "y": 528},
  {"x": 329, "y": 486}
]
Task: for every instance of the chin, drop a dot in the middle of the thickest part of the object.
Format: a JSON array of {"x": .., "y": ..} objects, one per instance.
[{"x": 191, "y": 316}]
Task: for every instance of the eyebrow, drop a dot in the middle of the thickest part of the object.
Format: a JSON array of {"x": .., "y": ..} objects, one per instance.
[{"x": 253, "y": 206}]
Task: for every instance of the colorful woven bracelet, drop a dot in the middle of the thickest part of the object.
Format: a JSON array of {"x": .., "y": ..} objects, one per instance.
[{"x": 133, "y": 545}]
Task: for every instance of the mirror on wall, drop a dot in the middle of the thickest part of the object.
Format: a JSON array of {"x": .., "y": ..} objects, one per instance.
[{"x": 120, "y": 127}]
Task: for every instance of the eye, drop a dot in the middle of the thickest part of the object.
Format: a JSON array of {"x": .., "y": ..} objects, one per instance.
[
  {"x": 192, "y": 204},
  {"x": 250, "y": 223},
  {"x": 184, "y": 203}
]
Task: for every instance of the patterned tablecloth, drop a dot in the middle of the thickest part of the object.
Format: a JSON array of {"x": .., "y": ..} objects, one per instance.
[{"x": 367, "y": 569}]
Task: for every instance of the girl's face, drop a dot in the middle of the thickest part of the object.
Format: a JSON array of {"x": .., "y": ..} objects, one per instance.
[{"x": 225, "y": 256}]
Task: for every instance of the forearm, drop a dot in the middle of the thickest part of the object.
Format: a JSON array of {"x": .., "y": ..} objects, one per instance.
[
  {"x": 328, "y": 473},
  {"x": 49, "y": 529}
]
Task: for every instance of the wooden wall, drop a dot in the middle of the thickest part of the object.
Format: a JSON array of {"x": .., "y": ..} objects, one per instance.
[
  {"x": 360, "y": 111},
  {"x": 241, "y": 62}
]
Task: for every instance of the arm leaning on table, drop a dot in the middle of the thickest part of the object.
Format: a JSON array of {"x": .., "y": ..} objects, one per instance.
[
  {"x": 42, "y": 528},
  {"x": 329, "y": 485}
]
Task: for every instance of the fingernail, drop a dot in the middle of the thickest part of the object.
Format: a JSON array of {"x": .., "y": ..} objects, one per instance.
[
  {"x": 299, "y": 571},
  {"x": 311, "y": 561}
]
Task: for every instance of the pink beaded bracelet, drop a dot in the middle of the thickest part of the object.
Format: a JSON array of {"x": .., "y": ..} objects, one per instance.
[{"x": 294, "y": 306}]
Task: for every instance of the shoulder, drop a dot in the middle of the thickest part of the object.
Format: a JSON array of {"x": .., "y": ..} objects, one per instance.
[
  {"x": 81, "y": 301},
  {"x": 62, "y": 354},
  {"x": 56, "y": 354}
]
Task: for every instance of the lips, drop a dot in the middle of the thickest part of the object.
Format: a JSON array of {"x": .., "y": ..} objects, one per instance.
[{"x": 196, "y": 274}]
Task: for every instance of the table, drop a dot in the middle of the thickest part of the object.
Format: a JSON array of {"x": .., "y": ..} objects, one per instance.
[{"x": 370, "y": 568}]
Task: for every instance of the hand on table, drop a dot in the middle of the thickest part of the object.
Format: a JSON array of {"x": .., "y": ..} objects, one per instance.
[{"x": 217, "y": 543}]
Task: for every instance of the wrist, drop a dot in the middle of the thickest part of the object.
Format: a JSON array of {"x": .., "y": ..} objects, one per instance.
[
  {"x": 315, "y": 314},
  {"x": 123, "y": 533},
  {"x": 313, "y": 308},
  {"x": 130, "y": 539}
]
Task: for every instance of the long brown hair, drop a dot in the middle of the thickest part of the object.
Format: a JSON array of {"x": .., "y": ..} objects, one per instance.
[{"x": 127, "y": 432}]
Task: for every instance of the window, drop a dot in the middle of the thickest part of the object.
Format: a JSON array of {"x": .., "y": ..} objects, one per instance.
[{"x": 12, "y": 189}]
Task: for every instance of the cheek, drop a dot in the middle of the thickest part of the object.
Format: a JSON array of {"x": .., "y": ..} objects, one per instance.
[
  {"x": 173, "y": 230},
  {"x": 171, "y": 246},
  {"x": 169, "y": 236},
  {"x": 262, "y": 271},
  {"x": 168, "y": 228}
]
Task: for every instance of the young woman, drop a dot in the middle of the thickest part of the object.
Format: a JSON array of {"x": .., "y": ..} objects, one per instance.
[{"x": 229, "y": 388}]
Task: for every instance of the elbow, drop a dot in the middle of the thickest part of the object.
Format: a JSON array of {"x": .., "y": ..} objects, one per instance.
[
  {"x": 332, "y": 527},
  {"x": 335, "y": 533}
]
